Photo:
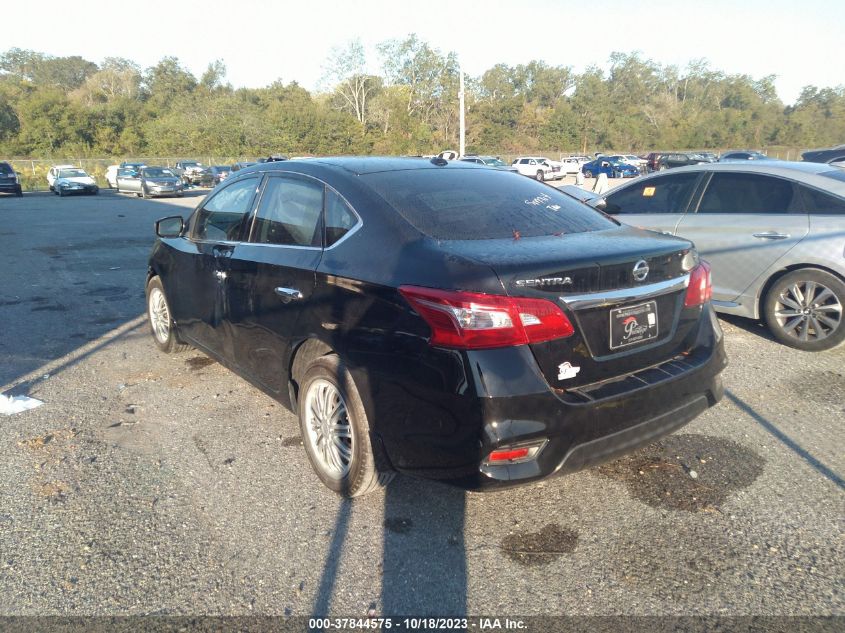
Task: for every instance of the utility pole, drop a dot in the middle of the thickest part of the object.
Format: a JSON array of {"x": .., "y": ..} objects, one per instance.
[{"x": 462, "y": 120}]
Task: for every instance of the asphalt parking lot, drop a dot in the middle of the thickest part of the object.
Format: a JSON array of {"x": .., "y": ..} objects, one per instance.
[{"x": 155, "y": 484}]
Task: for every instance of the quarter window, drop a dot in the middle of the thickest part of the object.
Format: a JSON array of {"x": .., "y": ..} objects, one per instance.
[
  {"x": 289, "y": 213},
  {"x": 749, "y": 193},
  {"x": 339, "y": 218},
  {"x": 222, "y": 218},
  {"x": 666, "y": 194},
  {"x": 821, "y": 203}
]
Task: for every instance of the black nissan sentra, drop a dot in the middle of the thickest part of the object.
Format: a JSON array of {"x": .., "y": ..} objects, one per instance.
[{"x": 444, "y": 319}]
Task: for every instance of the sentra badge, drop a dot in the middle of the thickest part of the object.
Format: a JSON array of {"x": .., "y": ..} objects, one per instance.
[{"x": 544, "y": 281}]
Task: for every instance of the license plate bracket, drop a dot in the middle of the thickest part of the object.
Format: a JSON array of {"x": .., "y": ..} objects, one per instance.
[{"x": 632, "y": 325}]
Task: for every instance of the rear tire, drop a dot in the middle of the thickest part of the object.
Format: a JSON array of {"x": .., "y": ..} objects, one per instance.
[
  {"x": 161, "y": 322},
  {"x": 588, "y": 174},
  {"x": 336, "y": 432},
  {"x": 804, "y": 310}
]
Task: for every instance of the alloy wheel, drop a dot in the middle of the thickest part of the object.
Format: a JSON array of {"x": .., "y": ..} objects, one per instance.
[
  {"x": 808, "y": 311},
  {"x": 159, "y": 315},
  {"x": 328, "y": 428}
]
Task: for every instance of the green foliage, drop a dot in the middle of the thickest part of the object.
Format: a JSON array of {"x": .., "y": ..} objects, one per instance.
[{"x": 68, "y": 106}]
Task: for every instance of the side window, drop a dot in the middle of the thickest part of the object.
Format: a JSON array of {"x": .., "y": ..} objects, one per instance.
[
  {"x": 524, "y": 161},
  {"x": 820, "y": 203},
  {"x": 749, "y": 193},
  {"x": 289, "y": 213},
  {"x": 666, "y": 194},
  {"x": 339, "y": 218},
  {"x": 222, "y": 217}
]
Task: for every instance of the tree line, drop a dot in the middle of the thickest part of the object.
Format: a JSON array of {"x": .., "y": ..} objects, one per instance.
[{"x": 62, "y": 106}]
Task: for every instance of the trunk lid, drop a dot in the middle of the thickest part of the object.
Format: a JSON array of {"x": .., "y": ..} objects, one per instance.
[{"x": 591, "y": 276}]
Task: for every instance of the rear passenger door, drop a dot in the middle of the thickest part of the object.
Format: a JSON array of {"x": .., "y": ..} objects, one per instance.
[
  {"x": 657, "y": 203},
  {"x": 272, "y": 276},
  {"x": 743, "y": 224}
]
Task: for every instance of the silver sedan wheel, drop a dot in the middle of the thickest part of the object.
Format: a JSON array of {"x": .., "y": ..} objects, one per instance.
[
  {"x": 808, "y": 311},
  {"x": 328, "y": 428},
  {"x": 159, "y": 315}
]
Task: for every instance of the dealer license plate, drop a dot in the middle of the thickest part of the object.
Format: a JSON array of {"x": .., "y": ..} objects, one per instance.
[{"x": 633, "y": 324}]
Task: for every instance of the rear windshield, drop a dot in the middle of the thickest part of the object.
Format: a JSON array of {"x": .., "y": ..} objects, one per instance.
[
  {"x": 5, "y": 168},
  {"x": 470, "y": 204}
]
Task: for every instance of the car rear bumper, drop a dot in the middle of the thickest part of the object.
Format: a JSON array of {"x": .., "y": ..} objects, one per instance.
[
  {"x": 578, "y": 428},
  {"x": 11, "y": 187}
]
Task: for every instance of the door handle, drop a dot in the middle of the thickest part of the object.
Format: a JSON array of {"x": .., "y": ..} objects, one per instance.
[
  {"x": 771, "y": 236},
  {"x": 288, "y": 294},
  {"x": 221, "y": 276}
]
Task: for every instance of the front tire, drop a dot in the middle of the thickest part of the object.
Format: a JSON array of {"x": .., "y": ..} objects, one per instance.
[
  {"x": 161, "y": 322},
  {"x": 588, "y": 174},
  {"x": 804, "y": 310},
  {"x": 336, "y": 432}
]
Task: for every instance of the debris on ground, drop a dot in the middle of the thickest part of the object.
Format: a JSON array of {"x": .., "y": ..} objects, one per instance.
[{"x": 15, "y": 404}]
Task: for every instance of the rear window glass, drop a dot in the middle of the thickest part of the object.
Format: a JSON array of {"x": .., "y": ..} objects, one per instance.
[
  {"x": 469, "y": 204},
  {"x": 5, "y": 168}
]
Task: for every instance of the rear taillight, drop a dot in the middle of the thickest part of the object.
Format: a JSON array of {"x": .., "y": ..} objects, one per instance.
[
  {"x": 471, "y": 320},
  {"x": 700, "y": 287},
  {"x": 516, "y": 454}
]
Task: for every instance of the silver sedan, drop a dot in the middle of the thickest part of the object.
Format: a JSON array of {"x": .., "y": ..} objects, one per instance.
[
  {"x": 149, "y": 181},
  {"x": 773, "y": 232}
]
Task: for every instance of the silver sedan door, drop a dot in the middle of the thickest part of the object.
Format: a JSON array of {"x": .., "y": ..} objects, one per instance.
[
  {"x": 128, "y": 180},
  {"x": 744, "y": 223}
]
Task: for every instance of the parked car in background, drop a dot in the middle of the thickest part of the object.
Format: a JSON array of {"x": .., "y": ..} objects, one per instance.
[
  {"x": 653, "y": 160},
  {"x": 535, "y": 167},
  {"x": 214, "y": 175},
  {"x": 681, "y": 159},
  {"x": 709, "y": 155},
  {"x": 613, "y": 168},
  {"x": 573, "y": 164},
  {"x": 833, "y": 156},
  {"x": 10, "y": 181},
  {"x": 71, "y": 180},
  {"x": 148, "y": 182},
  {"x": 773, "y": 231},
  {"x": 636, "y": 161},
  {"x": 53, "y": 172},
  {"x": 743, "y": 155},
  {"x": 189, "y": 171},
  {"x": 242, "y": 165},
  {"x": 111, "y": 175},
  {"x": 489, "y": 161},
  {"x": 415, "y": 365}
]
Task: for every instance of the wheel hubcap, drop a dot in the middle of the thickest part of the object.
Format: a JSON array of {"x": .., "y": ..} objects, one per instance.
[
  {"x": 328, "y": 428},
  {"x": 159, "y": 315},
  {"x": 808, "y": 311}
]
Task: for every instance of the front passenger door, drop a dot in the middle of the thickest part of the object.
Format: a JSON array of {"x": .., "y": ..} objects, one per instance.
[{"x": 198, "y": 300}]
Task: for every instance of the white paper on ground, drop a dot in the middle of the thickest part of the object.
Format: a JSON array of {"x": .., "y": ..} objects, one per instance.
[{"x": 16, "y": 404}]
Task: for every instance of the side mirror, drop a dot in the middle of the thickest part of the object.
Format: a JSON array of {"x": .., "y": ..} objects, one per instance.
[{"x": 172, "y": 226}]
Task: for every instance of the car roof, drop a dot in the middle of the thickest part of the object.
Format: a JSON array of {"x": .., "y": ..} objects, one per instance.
[
  {"x": 810, "y": 173},
  {"x": 361, "y": 165}
]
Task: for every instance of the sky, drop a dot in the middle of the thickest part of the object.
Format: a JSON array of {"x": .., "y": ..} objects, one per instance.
[{"x": 261, "y": 41}]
